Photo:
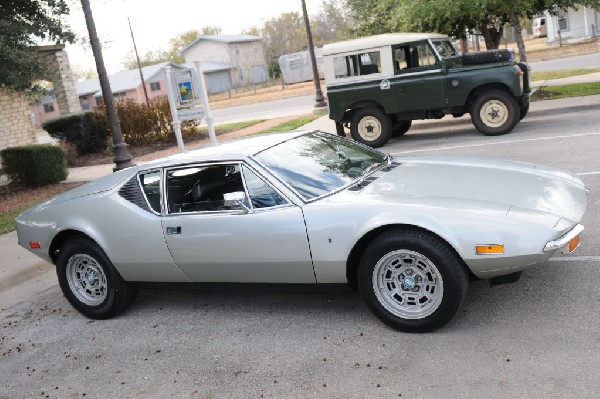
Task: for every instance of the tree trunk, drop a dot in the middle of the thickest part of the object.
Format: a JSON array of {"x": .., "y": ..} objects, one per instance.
[
  {"x": 516, "y": 23},
  {"x": 492, "y": 36}
]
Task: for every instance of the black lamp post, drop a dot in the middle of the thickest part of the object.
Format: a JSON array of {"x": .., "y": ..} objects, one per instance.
[
  {"x": 319, "y": 99},
  {"x": 122, "y": 156}
]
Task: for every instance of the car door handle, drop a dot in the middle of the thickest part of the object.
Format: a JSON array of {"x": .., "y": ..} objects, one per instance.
[{"x": 173, "y": 230}]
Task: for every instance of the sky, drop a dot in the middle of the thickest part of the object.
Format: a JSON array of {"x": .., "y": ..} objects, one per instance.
[{"x": 155, "y": 22}]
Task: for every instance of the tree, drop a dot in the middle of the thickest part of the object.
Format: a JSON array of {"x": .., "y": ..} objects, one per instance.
[
  {"x": 333, "y": 23},
  {"x": 23, "y": 24}
]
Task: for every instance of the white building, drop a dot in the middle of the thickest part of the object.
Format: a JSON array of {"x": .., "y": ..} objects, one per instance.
[{"x": 573, "y": 25}]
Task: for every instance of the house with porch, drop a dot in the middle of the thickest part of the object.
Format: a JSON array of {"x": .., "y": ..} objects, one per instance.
[{"x": 572, "y": 25}]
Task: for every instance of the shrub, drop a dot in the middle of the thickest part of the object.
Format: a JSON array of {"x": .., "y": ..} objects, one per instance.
[
  {"x": 143, "y": 124},
  {"x": 35, "y": 165},
  {"x": 86, "y": 131}
]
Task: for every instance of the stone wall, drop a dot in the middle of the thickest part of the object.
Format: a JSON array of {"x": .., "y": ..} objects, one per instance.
[
  {"x": 16, "y": 127},
  {"x": 58, "y": 71}
]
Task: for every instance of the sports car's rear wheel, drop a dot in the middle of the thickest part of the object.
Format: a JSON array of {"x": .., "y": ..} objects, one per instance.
[
  {"x": 90, "y": 282},
  {"x": 412, "y": 280}
]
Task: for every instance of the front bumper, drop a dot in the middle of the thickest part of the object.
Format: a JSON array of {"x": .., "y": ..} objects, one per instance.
[{"x": 566, "y": 242}]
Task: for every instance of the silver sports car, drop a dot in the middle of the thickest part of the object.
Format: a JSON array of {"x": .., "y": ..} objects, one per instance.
[{"x": 308, "y": 207}]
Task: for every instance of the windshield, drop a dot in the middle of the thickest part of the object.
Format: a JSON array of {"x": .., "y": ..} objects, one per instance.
[
  {"x": 316, "y": 164},
  {"x": 444, "y": 48}
]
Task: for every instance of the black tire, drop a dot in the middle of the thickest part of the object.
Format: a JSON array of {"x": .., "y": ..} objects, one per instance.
[
  {"x": 371, "y": 126},
  {"x": 494, "y": 113},
  {"x": 437, "y": 273},
  {"x": 523, "y": 111},
  {"x": 486, "y": 57},
  {"x": 102, "y": 291},
  {"x": 401, "y": 128}
]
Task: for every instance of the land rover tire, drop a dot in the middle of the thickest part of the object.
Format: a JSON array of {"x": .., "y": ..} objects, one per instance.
[
  {"x": 495, "y": 112},
  {"x": 401, "y": 128},
  {"x": 371, "y": 126},
  {"x": 486, "y": 57}
]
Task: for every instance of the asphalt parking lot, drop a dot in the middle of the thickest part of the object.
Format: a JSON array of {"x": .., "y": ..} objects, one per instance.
[{"x": 537, "y": 338}]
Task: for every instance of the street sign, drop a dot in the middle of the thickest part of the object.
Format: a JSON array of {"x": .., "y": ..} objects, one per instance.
[
  {"x": 189, "y": 114},
  {"x": 188, "y": 99}
]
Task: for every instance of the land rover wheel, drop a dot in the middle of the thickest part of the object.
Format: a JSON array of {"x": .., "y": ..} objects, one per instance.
[
  {"x": 401, "y": 128},
  {"x": 495, "y": 113},
  {"x": 371, "y": 126},
  {"x": 523, "y": 111}
]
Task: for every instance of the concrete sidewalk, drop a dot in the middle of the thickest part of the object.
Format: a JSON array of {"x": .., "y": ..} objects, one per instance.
[{"x": 22, "y": 274}]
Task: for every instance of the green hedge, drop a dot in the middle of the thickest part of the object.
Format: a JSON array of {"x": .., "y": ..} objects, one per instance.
[
  {"x": 35, "y": 165},
  {"x": 88, "y": 131}
]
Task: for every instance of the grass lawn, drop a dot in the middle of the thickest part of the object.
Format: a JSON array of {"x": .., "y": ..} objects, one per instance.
[
  {"x": 572, "y": 90},
  {"x": 293, "y": 124}
]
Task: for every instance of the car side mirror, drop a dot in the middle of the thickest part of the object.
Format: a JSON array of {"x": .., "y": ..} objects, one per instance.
[{"x": 236, "y": 198}]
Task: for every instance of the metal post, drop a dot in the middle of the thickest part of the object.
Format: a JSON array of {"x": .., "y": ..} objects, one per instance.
[
  {"x": 319, "y": 99},
  {"x": 122, "y": 156},
  {"x": 176, "y": 123},
  {"x": 204, "y": 96},
  {"x": 139, "y": 65}
]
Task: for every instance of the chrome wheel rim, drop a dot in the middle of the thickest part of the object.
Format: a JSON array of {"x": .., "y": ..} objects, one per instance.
[
  {"x": 494, "y": 113},
  {"x": 408, "y": 284},
  {"x": 86, "y": 279},
  {"x": 369, "y": 128}
]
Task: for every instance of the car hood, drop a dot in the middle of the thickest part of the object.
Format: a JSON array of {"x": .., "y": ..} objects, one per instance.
[{"x": 517, "y": 185}]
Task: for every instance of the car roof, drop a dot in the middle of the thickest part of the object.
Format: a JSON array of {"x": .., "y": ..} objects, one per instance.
[
  {"x": 235, "y": 149},
  {"x": 386, "y": 39}
]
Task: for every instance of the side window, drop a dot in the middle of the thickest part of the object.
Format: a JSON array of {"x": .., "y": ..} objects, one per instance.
[
  {"x": 261, "y": 194},
  {"x": 426, "y": 57},
  {"x": 400, "y": 59},
  {"x": 151, "y": 187},
  {"x": 357, "y": 64},
  {"x": 408, "y": 58},
  {"x": 203, "y": 188}
]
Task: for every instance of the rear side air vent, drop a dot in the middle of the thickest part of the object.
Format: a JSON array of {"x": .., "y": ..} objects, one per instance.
[{"x": 132, "y": 192}]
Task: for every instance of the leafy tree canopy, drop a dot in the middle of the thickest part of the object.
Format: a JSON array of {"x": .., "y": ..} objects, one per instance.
[{"x": 23, "y": 24}]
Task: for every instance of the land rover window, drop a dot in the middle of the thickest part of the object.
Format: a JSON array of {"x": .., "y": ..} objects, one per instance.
[
  {"x": 444, "y": 48},
  {"x": 426, "y": 56},
  {"x": 357, "y": 64},
  {"x": 410, "y": 57}
]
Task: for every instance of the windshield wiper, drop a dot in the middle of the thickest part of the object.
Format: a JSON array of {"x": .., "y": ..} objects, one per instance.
[{"x": 371, "y": 168}]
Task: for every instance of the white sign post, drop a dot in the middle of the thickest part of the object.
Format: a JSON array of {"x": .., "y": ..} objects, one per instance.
[{"x": 188, "y": 100}]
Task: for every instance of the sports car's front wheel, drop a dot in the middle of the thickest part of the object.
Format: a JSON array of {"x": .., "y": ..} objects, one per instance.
[
  {"x": 90, "y": 282},
  {"x": 412, "y": 280}
]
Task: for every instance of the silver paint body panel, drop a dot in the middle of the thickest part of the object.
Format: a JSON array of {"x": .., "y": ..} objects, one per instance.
[{"x": 465, "y": 201}]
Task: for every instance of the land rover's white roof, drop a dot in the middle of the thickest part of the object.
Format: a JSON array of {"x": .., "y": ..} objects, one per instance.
[{"x": 386, "y": 39}]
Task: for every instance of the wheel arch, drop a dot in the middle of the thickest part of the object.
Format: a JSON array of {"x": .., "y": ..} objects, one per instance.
[
  {"x": 358, "y": 105},
  {"x": 355, "y": 254},
  {"x": 62, "y": 237},
  {"x": 477, "y": 91}
]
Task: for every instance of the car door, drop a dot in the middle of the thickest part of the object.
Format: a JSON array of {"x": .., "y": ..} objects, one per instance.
[
  {"x": 215, "y": 239},
  {"x": 418, "y": 82}
]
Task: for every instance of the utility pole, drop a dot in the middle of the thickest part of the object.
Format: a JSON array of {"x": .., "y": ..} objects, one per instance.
[
  {"x": 319, "y": 99},
  {"x": 122, "y": 156},
  {"x": 137, "y": 57}
]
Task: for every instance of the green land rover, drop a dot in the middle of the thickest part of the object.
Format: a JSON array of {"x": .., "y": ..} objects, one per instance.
[{"x": 377, "y": 85}]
